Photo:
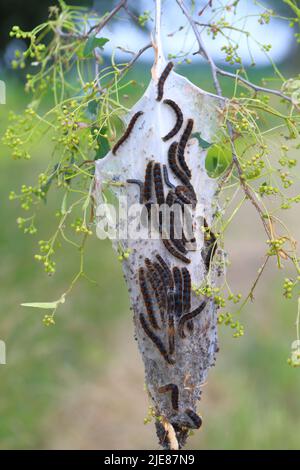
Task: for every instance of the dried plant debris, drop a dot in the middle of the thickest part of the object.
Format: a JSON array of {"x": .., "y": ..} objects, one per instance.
[{"x": 175, "y": 328}]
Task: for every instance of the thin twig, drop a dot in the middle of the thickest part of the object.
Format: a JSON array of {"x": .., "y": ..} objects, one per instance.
[
  {"x": 251, "y": 292},
  {"x": 134, "y": 59},
  {"x": 128, "y": 66},
  {"x": 202, "y": 49},
  {"x": 209, "y": 4},
  {"x": 254, "y": 87},
  {"x": 97, "y": 27}
]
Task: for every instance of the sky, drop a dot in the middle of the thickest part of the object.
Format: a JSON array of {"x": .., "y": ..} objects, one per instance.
[{"x": 277, "y": 32}]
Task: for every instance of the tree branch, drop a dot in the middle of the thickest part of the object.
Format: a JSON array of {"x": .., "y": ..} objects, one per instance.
[
  {"x": 214, "y": 70},
  {"x": 135, "y": 58},
  {"x": 202, "y": 49},
  {"x": 97, "y": 27},
  {"x": 256, "y": 88}
]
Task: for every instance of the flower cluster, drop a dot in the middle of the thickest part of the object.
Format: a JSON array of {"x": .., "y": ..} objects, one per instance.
[
  {"x": 227, "y": 319},
  {"x": 46, "y": 252},
  {"x": 48, "y": 320}
]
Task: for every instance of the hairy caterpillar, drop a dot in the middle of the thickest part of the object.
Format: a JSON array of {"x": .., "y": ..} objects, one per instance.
[
  {"x": 174, "y": 394},
  {"x": 178, "y": 290},
  {"x": 148, "y": 181},
  {"x": 179, "y": 119},
  {"x": 174, "y": 166},
  {"x": 147, "y": 298},
  {"x": 181, "y": 175},
  {"x": 167, "y": 271},
  {"x": 173, "y": 199},
  {"x": 156, "y": 340},
  {"x": 166, "y": 177},
  {"x": 171, "y": 301},
  {"x": 189, "y": 316},
  {"x": 186, "y": 296},
  {"x": 186, "y": 194},
  {"x": 127, "y": 132},
  {"x": 158, "y": 184},
  {"x": 175, "y": 252},
  {"x": 211, "y": 245},
  {"x": 141, "y": 186},
  {"x": 177, "y": 242},
  {"x": 171, "y": 333},
  {"x": 181, "y": 147},
  {"x": 195, "y": 419},
  {"x": 162, "y": 79},
  {"x": 161, "y": 273},
  {"x": 157, "y": 287}
]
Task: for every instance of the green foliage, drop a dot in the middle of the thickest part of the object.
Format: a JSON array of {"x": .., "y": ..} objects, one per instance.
[{"x": 93, "y": 42}]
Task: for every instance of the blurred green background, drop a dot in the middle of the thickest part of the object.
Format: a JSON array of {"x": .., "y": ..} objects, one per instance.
[{"x": 79, "y": 384}]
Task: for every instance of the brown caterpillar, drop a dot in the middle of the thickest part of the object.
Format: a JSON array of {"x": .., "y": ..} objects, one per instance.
[
  {"x": 181, "y": 147},
  {"x": 162, "y": 79},
  {"x": 181, "y": 175},
  {"x": 157, "y": 287},
  {"x": 186, "y": 194},
  {"x": 178, "y": 290},
  {"x": 174, "y": 166},
  {"x": 173, "y": 199},
  {"x": 160, "y": 271},
  {"x": 147, "y": 298},
  {"x": 167, "y": 271},
  {"x": 175, "y": 252},
  {"x": 158, "y": 184},
  {"x": 171, "y": 302},
  {"x": 174, "y": 394},
  {"x": 171, "y": 333},
  {"x": 127, "y": 132},
  {"x": 148, "y": 182},
  {"x": 189, "y": 316},
  {"x": 179, "y": 119},
  {"x": 196, "y": 419},
  {"x": 141, "y": 186},
  {"x": 166, "y": 177},
  {"x": 156, "y": 340},
  {"x": 210, "y": 253},
  {"x": 211, "y": 244},
  {"x": 176, "y": 241},
  {"x": 186, "y": 294},
  {"x": 179, "y": 245}
]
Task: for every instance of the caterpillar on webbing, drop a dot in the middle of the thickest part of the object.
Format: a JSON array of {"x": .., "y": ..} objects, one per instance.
[
  {"x": 162, "y": 79},
  {"x": 174, "y": 394},
  {"x": 156, "y": 340},
  {"x": 189, "y": 316},
  {"x": 179, "y": 119},
  {"x": 127, "y": 132}
]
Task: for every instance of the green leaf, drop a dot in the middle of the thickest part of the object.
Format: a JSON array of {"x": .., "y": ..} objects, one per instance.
[
  {"x": 44, "y": 305},
  {"x": 217, "y": 159},
  {"x": 203, "y": 143},
  {"x": 93, "y": 42},
  {"x": 103, "y": 143},
  {"x": 93, "y": 107}
]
